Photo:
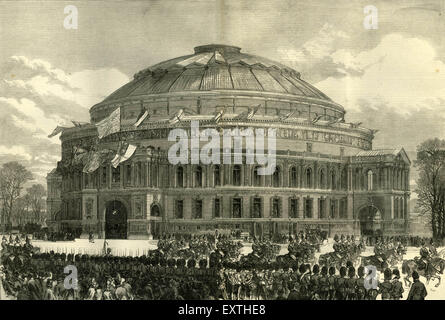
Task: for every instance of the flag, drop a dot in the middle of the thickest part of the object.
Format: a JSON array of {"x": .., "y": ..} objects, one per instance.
[
  {"x": 287, "y": 115},
  {"x": 247, "y": 115},
  {"x": 317, "y": 118},
  {"x": 253, "y": 111},
  {"x": 56, "y": 131},
  {"x": 219, "y": 115},
  {"x": 144, "y": 114},
  {"x": 177, "y": 117},
  {"x": 78, "y": 155},
  {"x": 124, "y": 153},
  {"x": 78, "y": 124},
  {"x": 110, "y": 124},
  {"x": 355, "y": 125},
  {"x": 93, "y": 162}
]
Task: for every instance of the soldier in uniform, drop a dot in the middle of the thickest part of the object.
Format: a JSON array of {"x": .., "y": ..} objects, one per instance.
[
  {"x": 360, "y": 290},
  {"x": 314, "y": 287},
  {"x": 350, "y": 284},
  {"x": 385, "y": 287},
  {"x": 332, "y": 283},
  {"x": 424, "y": 260},
  {"x": 397, "y": 286},
  {"x": 340, "y": 285},
  {"x": 304, "y": 281},
  {"x": 323, "y": 284}
]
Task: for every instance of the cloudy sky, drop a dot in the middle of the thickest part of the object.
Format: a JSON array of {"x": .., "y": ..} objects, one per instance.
[{"x": 391, "y": 78}]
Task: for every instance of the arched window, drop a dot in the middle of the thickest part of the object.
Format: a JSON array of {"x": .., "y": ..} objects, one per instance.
[
  {"x": 308, "y": 178},
  {"x": 256, "y": 177},
  {"x": 216, "y": 175},
  {"x": 180, "y": 177},
  {"x": 333, "y": 180},
  {"x": 198, "y": 177},
  {"x": 370, "y": 187},
  {"x": 276, "y": 177},
  {"x": 293, "y": 177},
  {"x": 321, "y": 184},
  {"x": 236, "y": 175}
]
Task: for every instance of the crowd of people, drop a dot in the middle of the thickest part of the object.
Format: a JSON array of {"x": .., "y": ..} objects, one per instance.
[
  {"x": 215, "y": 271},
  {"x": 406, "y": 241}
]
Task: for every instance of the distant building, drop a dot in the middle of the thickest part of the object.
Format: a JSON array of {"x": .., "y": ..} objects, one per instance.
[
  {"x": 327, "y": 176},
  {"x": 53, "y": 199}
]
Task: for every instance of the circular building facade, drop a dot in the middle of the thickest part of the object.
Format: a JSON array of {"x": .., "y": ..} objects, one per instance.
[{"x": 327, "y": 175}]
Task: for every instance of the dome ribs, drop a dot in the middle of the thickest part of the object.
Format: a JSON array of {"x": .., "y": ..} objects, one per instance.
[
  {"x": 300, "y": 86},
  {"x": 164, "y": 84},
  {"x": 216, "y": 77},
  {"x": 149, "y": 82},
  {"x": 189, "y": 80},
  {"x": 243, "y": 80},
  {"x": 320, "y": 94},
  {"x": 268, "y": 82},
  {"x": 224, "y": 70},
  {"x": 126, "y": 90},
  {"x": 314, "y": 92},
  {"x": 289, "y": 86}
]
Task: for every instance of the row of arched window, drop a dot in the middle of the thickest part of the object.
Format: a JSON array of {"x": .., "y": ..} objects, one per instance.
[
  {"x": 324, "y": 181},
  {"x": 336, "y": 209}
]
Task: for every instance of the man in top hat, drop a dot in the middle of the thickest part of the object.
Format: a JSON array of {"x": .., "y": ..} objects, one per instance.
[{"x": 418, "y": 290}]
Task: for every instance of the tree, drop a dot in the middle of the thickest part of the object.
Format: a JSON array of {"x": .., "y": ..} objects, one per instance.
[
  {"x": 13, "y": 176},
  {"x": 22, "y": 208},
  {"x": 36, "y": 192},
  {"x": 431, "y": 183}
]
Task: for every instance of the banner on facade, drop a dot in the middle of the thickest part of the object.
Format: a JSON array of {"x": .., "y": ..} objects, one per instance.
[
  {"x": 124, "y": 153},
  {"x": 110, "y": 124}
]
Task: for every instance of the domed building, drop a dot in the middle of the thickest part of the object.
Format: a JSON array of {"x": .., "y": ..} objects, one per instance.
[{"x": 327, "y": 175}]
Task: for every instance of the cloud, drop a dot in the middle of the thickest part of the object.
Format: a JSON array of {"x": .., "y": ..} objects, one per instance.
[
  {"x": 38, "y": 77},
  {"x": 35, "y": 97},
  {"x": 30, "y": 117},
  {"x": 314, "y": 59},
  {"x": 400, "y": 73},
  {"x": 17, "y": 151}
]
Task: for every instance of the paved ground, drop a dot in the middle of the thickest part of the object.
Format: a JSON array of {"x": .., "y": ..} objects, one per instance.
[{"x": 140, "y": 247}]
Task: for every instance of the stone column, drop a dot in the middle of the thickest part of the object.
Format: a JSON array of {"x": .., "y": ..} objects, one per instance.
[
  {"x": 350, "y": 207},
  {"x": 350, "y": 179},
  {"x": 187, "y": 209},
  {"x": 109, "y": 176},
  {"x": 266, "y": 207},
  {"x": 246, "y": 207},
  {"x": 284, "y": 207},
  {"x": 315, "y": 207},
  {"x": 301, "y": 207},
  {"x": 226, "y": 211},
  {"x": 392, "y": 207}
]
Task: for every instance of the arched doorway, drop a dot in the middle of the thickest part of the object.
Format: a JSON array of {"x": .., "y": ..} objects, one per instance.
[
  {"x": 115, "y": 220},
  {"x": 370, "y": 221}
]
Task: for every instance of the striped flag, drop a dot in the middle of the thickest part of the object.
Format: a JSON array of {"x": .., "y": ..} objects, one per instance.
[
  {"x": 144, "y": 114},
  {"x": 177, "y": 117},
  {"x": 93, "y": 162},
  {"x": 110, "y": 124},
  {"x": 219, "y": 115},
  {"x": 124, "y": 153}
]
